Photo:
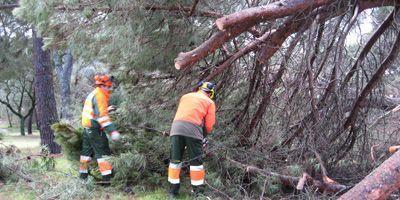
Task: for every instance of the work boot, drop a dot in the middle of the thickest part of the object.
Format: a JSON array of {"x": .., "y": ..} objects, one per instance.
[
  {"x": 83, "y": 176},
  {"x": 174, "y": 190},
  {"x": 106, "y": 180},
  {"x": 198, "y": 192},
  {"x": 172, "y": 196}
]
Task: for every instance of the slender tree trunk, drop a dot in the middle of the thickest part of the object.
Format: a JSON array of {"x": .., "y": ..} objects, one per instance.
[
  {"x": 22, "y": 125},
  {"x": 29, "y": 123},
  {"x": 9, "y": 118},
  {"x": 46, "y": 104}
]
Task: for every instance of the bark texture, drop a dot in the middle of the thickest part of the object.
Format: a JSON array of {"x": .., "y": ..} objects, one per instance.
[
  {"x": 46, "y": 104},
  {"x": 379, "y": 184}
]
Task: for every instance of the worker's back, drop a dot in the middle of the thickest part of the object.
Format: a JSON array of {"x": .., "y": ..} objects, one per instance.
[{"x": 195, "y": 112}]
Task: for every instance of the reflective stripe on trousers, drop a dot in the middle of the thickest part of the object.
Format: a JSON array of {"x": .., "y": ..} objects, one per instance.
[
  {"x": 174, "y": 170},
  {"x": 84, "y": 164},
  {"x": 105, "y": 166},
  {"x": 197, "y": 174}
]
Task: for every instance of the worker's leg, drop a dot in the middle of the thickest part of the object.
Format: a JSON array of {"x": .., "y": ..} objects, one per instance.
[
  {"x": 86, "y": 155},
  {"x": 102, "y": 153},
  {"x": 197, "y": 172},
  {"x": 174, "y": 169}
]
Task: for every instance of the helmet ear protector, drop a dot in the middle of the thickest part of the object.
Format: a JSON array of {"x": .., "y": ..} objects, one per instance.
[{"x": 207, "y": 87}]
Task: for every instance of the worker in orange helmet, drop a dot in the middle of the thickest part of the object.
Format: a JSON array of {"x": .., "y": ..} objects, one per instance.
[
  {"x": 194, "y": 119},
  {"x": 97, "y": 123}
]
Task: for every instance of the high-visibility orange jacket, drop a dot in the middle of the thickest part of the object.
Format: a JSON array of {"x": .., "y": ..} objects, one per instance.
[
  {"x": 95, "y": 111},
  {"x": 195, "y": 108}
]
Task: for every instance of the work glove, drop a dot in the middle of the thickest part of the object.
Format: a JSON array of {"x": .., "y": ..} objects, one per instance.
[
  {"x": 393, "y": 149},
  {"x": 115, "y": 136},
  {"x": 111, "y": 108}
]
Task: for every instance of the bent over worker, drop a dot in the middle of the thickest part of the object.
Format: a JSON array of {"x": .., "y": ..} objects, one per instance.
[
  {"x": 97, "y": 123},
  {"x": 194, "y": 119}
]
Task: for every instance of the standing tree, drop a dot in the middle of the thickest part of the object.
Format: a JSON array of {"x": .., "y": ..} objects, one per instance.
[
  {"x": 46, "y": 102},
  {"x": 15, "y": 93},
  {"x": 15, "y": 69},
  {"x": 63, "y": 65}
]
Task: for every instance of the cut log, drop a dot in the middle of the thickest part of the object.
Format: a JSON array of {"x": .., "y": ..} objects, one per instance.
[{"x": 380, "y": 183}]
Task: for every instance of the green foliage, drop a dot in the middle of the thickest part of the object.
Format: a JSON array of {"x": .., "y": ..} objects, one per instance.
[
  {"x": 295, "y": 170},
  {"x": 15, "y": 56},
  {"x": 134, "y": 38},
  {"x": 45, "y": 162},
  {"x": 141, "y": 160},
  {"x": 68, "y": 188},
  {"x": 69, "y": 138}
]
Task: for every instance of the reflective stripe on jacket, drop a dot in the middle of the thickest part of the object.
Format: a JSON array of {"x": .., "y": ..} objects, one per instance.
[
  {"x": 95, "y": 111},
  {"x": 197, "y": 108}
]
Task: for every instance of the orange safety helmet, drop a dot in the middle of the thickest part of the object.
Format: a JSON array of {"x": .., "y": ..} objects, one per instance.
[{"x": 103, "y": 80}]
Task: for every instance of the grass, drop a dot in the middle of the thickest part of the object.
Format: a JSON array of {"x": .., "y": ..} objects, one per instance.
[
  {"x": 12, "y": 136},
  {"x": 64, "y": 170}
]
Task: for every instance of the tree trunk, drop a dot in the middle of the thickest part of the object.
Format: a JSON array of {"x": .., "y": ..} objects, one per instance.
[
  {"x": 64, "y": 72},
  {"x": 46, "y": 104},
  {"x": 380, "y": 183},
  {"x": 22, "y": 125},
  {"x": 9, "y": 118}
]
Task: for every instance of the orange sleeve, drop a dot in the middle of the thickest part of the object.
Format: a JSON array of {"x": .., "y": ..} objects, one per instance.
[{"x": 210, "y": 118}]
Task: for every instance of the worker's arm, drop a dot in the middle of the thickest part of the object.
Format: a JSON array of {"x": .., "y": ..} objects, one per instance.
[
  {"x": 104, "y": 119},
  {"x": 210, "y": 118}
]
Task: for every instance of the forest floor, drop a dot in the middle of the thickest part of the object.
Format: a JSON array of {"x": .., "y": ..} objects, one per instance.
[{"x": 64, "y": 169}]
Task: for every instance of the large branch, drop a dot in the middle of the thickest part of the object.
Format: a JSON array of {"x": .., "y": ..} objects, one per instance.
[
  {"x": 8, "y": 6},
  {"x": 271, "y": 11},
  {"x": 273, "y": 39},
  {"x": 373, "y": 82},
  {"x": 214, "y": 42},
  {"x": 10, "y": 107},
  {"x": 243, "y": 51},
  {"x": 379, "y": 184}
]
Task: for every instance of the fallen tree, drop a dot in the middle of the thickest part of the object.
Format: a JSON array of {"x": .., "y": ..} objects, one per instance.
[{"x": 380, "y": 183}]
